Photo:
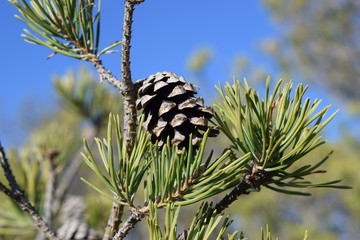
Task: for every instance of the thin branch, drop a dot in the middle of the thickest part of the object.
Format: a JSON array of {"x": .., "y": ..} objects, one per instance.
[
  {"x": 117, "y": 210},
  {"x": 5, "y": 190},
  {"x": 16, "y": 194},
  {"x": 241, "y": 189},
  {"x": 106, "y": 75},
  {"x": 129, "y": 87},
  {"x": 66, "y": 179},
  {"x": 251, "y": 180},
  {"x": 7, "y": 170},
  {"x": 129, "y": 92},
  {"x": 50, "y": 187},
  {"x": 36, "y": 218},
  {"x": 130, "y": 223}
]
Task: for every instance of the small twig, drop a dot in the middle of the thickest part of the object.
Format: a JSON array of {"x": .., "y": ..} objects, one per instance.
[
  {"x": 106, "y": 75},
  {"x": 250, "y": 180},
  {"x": 7, "y": 170},
  {"x": 66, "y": 179},
  {"x": 15, "y": 193},
  {"x": 5, "y": 190},
  {"x": 129, "y": 87},
  {"x": 50, "y": 191},
  {"x": 50, "y": 187},
  {"x": 242, "y": 188},
  {"x": 130, "y": 223}
]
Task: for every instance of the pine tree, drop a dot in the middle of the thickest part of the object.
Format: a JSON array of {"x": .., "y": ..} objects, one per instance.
[{"x": 164, "y": 152}]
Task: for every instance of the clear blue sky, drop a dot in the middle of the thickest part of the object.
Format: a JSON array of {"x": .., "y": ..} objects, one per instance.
[{"x": 165, "y": 34}]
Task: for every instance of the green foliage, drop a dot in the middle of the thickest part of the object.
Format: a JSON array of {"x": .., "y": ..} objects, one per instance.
[
  {"x": 171, "y": 219},
  {"x": 69, "y": 27},
  {"x": 174, "y": 178},
  {"x": 199, "y": 60},
  {"x": 122, "y": 176},
  {"x": 60, "y": 134},
  {"x": 272, "y": 135},
  {"x": 171, "y": 177},
  {"x": 266, "y": 235},
  {"x": 28, "y": 170},
  {"x": 65, "y": 144},
  {"x": 204, "y": 225},
  {"x": 284, "y": 128},
  {"x": 277, "y": 130},
  {"x": 187, "y": 178}
]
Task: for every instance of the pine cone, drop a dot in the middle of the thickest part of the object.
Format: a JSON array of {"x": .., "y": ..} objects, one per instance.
[{"x": 171, "y": 109}]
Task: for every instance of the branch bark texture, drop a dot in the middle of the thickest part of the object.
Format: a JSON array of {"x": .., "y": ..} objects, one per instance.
[
  {"x": 50, "y": 190},
  {"x": 241, "y": 189},
  {"x": 129, "y": 93},
  {"x": 114, "y": 221},
  {"x": 251, "y": 180},
  {"x": 129, "y": 88},
  {"x": 106, "y": 75},
  {"x": 130, "y": 223}
]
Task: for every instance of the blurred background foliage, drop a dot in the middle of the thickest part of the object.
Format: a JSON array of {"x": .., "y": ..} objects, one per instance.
[{"x": 319, "y": 43}]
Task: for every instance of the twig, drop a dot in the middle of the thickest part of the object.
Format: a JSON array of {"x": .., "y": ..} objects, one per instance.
[
  {"x": 129, "y": 87},
  {"x": 242, "y": 188},
  {"x": 50, "y": 187},
  {"x": 66, "y": 179},
  {"x": 128, "y": 90},
  {"x": 106, "y": 75},
  {"x": 50, "y": 191},
  {"x": 251, "y": 180},
  {"x": 130, "y": 223},
  {"x": 15, "y": 193},
  {"x": 114, "y": 221},
  {"x": 7, "y": 170}
]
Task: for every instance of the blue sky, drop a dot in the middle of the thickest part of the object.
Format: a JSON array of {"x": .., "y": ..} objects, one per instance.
[{"x": 165, "y": 34}]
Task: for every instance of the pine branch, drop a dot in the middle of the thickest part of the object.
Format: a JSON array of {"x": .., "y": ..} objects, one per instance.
[
  {"x": 15, "y": 193},
  {"x": 129, "y": 88},
  {"x": 50, "y": 191},
  {"x": 50, "y": 188},
  {"x": 106, "y": 75},
  {"x": 241, "y": 189},
  {"x": 251, "y": 180},
  {"x": 66, "y": 179},
  {"x": 114, "y": 221},
  {"x": 129, "y": 93},
  {"x": 7, "y": 170},
  {"x": 130, "y": 223}
]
